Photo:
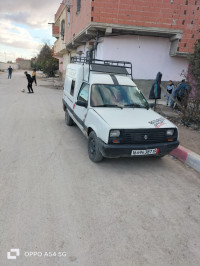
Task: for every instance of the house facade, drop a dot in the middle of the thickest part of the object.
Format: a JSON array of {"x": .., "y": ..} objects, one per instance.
[{"x": 153, "y": 35}]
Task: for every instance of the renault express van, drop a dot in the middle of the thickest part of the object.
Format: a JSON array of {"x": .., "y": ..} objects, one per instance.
[{"x": 102, "y": 99}]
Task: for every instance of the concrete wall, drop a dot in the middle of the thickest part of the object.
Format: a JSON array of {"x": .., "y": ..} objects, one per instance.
[
  {"x": 148, "y": 55},
  {"x": 145, "y": 86},
  {"x": 60, "y": 64},
  {"x": 5, "y": 66},
  {"x": 24, "y": 64},
  {"x": 66, "y": 61}
]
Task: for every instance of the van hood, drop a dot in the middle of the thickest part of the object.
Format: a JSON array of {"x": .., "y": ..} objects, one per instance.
[{"x": 132, "y": 118}]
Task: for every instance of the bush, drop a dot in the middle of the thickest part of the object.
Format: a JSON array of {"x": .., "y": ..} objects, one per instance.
[{"x": 192, "y": 112}]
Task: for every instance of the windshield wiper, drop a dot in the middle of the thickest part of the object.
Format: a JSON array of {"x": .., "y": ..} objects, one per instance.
[
  {"x": 134, "y": 105},
  {"x": 110, "y": 105}
]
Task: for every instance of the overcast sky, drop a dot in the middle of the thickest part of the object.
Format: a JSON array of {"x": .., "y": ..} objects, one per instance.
[{"x": 24, "y": 27}]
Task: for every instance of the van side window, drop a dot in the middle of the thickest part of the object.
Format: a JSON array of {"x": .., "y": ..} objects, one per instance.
[
  {"x": 72, "y": 88},
  {"x": 83, "y": 93}
]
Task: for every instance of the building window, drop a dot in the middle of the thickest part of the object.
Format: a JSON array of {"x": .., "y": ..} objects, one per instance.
[
  {"x": 68, "y": 18},
  {"x": 78, "y": 6},
  {"x": 62, "y": 32}
]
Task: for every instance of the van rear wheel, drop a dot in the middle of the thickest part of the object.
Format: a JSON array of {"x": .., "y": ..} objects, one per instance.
[
  {"x": 93, "y": 148},
  {"x": 68, "y": 120}
]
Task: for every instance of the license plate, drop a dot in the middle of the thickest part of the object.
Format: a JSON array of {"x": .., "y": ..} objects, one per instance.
[{"x": 143, "y": 152}]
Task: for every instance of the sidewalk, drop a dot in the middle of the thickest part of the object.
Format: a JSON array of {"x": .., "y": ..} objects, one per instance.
[
  {"x": 188, "y": 151},
  {"x": 188, "y": 157}
]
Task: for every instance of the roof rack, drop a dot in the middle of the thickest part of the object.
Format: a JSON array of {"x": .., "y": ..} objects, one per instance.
[
  {"x": 78, "y": 59},
  {"x": 105, "y": 66}
]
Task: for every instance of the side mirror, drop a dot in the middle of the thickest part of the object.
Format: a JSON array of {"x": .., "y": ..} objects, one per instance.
[{"x": 81, "y": 103}]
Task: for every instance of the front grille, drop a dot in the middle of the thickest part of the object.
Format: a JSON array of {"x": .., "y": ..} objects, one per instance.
[{"x": 144, "y": 136}]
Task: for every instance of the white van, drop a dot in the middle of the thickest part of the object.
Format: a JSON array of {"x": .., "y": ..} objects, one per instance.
[{"x": 102, "y": 99}]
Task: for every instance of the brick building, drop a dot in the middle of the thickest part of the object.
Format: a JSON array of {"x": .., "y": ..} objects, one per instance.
[{"x": 154, "y": 35}]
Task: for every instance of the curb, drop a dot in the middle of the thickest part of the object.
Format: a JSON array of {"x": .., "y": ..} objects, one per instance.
[{"x": 188, "y": 157}]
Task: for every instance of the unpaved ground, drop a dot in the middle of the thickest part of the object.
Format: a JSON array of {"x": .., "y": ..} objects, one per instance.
[
  {"x": 126, "y": 212},
  {"x": 188, "y": 136}
]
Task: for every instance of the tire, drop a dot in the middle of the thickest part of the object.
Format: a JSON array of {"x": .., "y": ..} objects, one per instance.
[
  {"x": 64, "y": 108},
  {"x": 68, "y": 120},
  {"x": 93, "y": 148}
]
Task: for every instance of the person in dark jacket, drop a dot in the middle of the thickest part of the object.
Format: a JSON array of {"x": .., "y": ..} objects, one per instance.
[
  {"x": 10, "y": 72},
  {"x": 30, "y": 81},
  {"x": 181, "y": 93},
  {"x": 155, "y": 92}
]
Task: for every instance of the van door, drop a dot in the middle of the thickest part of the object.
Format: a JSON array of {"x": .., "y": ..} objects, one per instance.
[{"x": 80, "y": 112}]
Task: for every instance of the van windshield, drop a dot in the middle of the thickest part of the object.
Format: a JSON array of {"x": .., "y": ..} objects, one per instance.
[{"x": 117, "y": 96}]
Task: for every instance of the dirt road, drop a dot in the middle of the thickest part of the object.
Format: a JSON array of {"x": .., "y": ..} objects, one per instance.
[{"x": 55, "y": 202}]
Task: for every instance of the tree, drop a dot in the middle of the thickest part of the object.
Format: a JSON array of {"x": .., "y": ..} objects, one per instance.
[
  {"x": 46, "y": 62},
  {"x": 195, "y": 62},
  {"x": 193, "y": 77},
  {"x": 33, "y": 64}
]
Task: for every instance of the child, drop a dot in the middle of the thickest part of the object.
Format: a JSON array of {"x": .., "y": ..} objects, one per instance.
[
  {"x": 170, "y": 89},
  {"x": 34, "y": 76},
  {"x": 30, "y": 81}
]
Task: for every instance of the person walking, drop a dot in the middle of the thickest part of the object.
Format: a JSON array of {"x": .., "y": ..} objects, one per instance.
[
  {"x": 170, "y": 89},
  {"x": 30, "y": 81},
  {"x": 10, "y": 70},
  {"x": 34, "y": 76}
]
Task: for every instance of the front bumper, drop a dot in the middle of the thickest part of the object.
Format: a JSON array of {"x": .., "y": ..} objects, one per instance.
[{"x": 125, "y": 150}]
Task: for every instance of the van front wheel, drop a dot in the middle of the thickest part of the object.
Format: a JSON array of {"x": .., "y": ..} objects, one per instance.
[
  {"x": 93, "y": 148},
  {"x": 68, "y": 120}
]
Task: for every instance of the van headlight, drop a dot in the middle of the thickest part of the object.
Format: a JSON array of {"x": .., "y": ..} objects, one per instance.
[
  {"x": 115, "y": 133},
  {"x": 170, "y": 132}
]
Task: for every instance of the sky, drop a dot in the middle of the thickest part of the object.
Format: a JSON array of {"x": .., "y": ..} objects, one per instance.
[{"x": 24, "y": 27}]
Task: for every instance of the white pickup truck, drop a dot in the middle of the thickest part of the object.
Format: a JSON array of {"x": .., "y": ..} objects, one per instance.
[{"x": 102, "y": 99}]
